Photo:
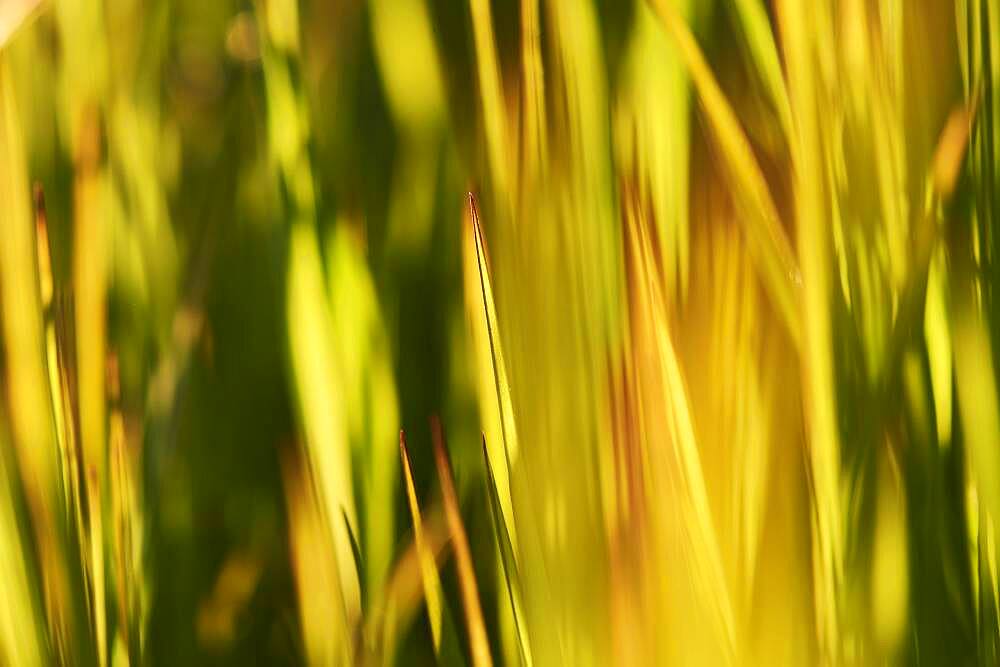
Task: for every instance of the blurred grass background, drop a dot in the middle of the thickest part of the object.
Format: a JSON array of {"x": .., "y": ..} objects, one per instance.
[{"x": 556, "y": 332}]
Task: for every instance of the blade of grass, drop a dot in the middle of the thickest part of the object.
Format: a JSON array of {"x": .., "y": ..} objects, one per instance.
[
  {"x": 59, "y": 344},
  {"x": 511, "y": 574},
  {"x": 20, "y": 620},
  {"x": 491, "y": 98},
  {"x": 315, "y": 377},
  {"x": 325, "y": 630},
  {"x": 978, "y": 402},
  {"x": 61, "y": 415},
  {"x": 670, "y": 432},
  {"x": 890, "y": 566},
  {"x": 534, "y": 141},
  {"x": 428, "y": 566},
  {"x": 23, "y": 326},
  {"x": 404, "y": 591},
  {"x": 364, "y": 364},
  {"x": 478, "y": 642},
  {"x": 496, "y": 409},
  {"x": 30, "y": 404},
  {"x": 652, "y": 123},
  {"x": 820, "y": 398},
  {"x": 760, "y": 42}
]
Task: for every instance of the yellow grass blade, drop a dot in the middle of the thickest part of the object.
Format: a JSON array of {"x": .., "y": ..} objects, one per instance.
[
  {"x": 91, "y": 322},
  {"x": 652, "y": 137},
  {"x": 404, "y": 46},
  {"x": 22, "y": 320},
  {"x": 511, "y": 573},
  {"x": 978, "y": 403},
  {"x": 428, "y": 566},
  {"x": 320, "y": 399},
  {"x": 368, "y": 389},
  {"x": 478, "y": 642},
  {"x": 393, "y": 611},
  {"x": 890, "y": 566},
  {"x": 820, "y": 398},
  {"x": 491, "y": 98},
  {"x": 314, "y": 560},
  {"x": 669, "y": 439},
  {"x": 495, "y": 407},
  {"x": 939, "y": 346},
  {"x": 534, "y": 140},
  {"x": 759, "y": 39},
  {"x": 20, "y": 619},
  {"x": 24, "y": 342}
]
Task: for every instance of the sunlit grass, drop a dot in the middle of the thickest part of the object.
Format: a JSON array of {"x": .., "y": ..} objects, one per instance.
[{"x": 701, "y": 292}]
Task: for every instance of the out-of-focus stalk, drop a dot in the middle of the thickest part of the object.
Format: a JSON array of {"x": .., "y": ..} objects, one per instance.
[
  {"x": 326, "y": 522},
  {"x": 819, "y": 397},
  {"x": 21, "y": 643},
  {"x": 31, "y": 406}
]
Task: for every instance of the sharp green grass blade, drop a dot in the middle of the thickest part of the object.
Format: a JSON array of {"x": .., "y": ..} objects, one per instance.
[
  {"x": 512, "y": 577},
  {"x": 496, "y": 409}
]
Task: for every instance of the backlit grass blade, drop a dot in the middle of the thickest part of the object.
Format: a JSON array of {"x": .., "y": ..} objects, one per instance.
[
  {"x": 653, "y": 140},
  {"x": 669, "y": 444},
  {"x": 22, "y": 314},
  {"x": 21, "y": 643},
  {"x": 127, "y": 529},
  {"x": 768, "y": 241},
  {"x": 495, "y": 407},
  {"x": 819, "y": 396},
  {"x": 319, "y": 391},
  {"x": 759, "y": 38},
  {"x": 978, "y": 403},
  {"x": 322, "y": 614},
  {"x": 890, "y": 568},
  {"x": 939, "y": 346},
  {"x": 478, "y": 642},
  {"x": 90, "y": 325},
  {"x": 364, "y": 364},
  {"x": 734, "y": 390},
  {"x": 428, "y": 566},
  {"x": 57, "y": 366},
  {"x": 25, "y": 376},
  {"x": 406, "y": 51},
  {"x": 388, "y": 621},
  {"x": 491, "y": 99},
  {"x": 534, "y": 136},
  {"x": 94, "y": 206},
  {"x": 511, "y": 574}
]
